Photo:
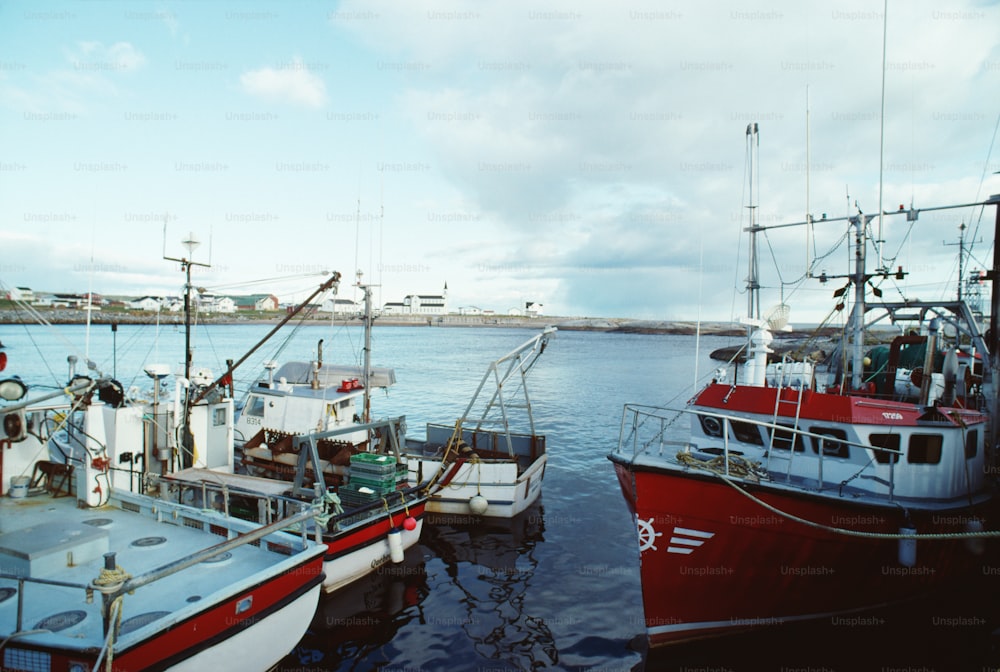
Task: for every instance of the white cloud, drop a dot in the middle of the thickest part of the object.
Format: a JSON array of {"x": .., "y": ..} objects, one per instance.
[
  {"x": 98, "y": 58},
  {"x": 292, "y": 83}
]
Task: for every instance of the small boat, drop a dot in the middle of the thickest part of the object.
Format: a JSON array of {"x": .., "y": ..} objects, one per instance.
[
  {"x": 808, "y": 489},
  {"x": 97, "y": 571},
  {"x": 301, "y": 439},
  {"x": 480, "y": 465}
]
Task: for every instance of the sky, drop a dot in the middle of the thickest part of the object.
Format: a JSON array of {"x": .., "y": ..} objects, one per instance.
[{"x": 588, "y": 156}]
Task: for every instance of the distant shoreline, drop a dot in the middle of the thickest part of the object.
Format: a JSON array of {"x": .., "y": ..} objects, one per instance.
[{"x": 603, "y": 324}]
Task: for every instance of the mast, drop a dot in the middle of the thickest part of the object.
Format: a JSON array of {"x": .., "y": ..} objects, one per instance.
[
  {"x": 366, "y": 373},
  {"x": 753, "y": 280},
  {"x": 187, "y": 439},
  {"x": 860, "y": 222}
]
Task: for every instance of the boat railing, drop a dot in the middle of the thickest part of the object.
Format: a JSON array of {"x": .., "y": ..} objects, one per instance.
[
  {"x": 646, "y": 430},
  {"x": 266, "y": 507}
]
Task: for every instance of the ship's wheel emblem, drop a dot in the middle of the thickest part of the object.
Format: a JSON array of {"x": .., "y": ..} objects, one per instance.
[{"x": 647, "y": 535}]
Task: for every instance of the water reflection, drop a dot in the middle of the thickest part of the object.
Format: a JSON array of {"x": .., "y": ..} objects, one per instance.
[
  {"x": 361, "y": 617},
  {"x": 492, "y": 563}
]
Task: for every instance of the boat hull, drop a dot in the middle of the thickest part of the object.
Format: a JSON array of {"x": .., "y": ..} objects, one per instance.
[
  {"x": 507, "y": 490},
  {"x": 358, "y": 552},
  {"x": 713, "y": 561}
]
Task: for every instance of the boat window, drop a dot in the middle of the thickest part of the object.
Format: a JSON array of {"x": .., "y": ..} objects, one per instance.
[
  {"x": 887, "y": 442},
  {"x": 924, "y": 449},
  {"x": 783, "y": 438},
  {"x": 971, "y": 444},
  {"x": 711, "y": 425},
  {"x": 831, "y": 448},
  {"x": 746, "y": 432},
  {"x": 219, "y": 417},
  {"x": 255, "y": 407}
]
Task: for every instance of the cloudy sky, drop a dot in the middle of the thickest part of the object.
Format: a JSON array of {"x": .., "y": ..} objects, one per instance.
[{"x": 589, "y": 156}]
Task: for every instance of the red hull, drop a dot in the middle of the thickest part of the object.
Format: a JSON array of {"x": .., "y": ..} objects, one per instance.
[
  {"x": 342, "y": 544},
  {"x": 715, "y": 562},
  {"x": 181, "y": 640}
]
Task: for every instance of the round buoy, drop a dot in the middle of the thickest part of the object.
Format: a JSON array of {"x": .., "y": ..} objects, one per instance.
[
  {"x": 409, "y": 523},
  {"x": 478, "y": 505},
  {"x": 396, "y": 546}
]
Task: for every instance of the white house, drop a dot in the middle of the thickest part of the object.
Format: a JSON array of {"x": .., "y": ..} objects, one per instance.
[
  {"x": 225, "y": 304},
  {"x": 395, "y": 308},
  {"x": 148, "y": 303},
  {"x": 339, "y": 306},
  {"x": 532, "y": 309},
  {"x": 21, "y": 294},
  {"x": 256, "y": 302}
]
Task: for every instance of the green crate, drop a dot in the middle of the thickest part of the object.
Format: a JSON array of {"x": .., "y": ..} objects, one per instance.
[
  {"x": 381, "y": 485},
  {"x": 373, "y": 465},
  {"x": 351, "y": 497}
]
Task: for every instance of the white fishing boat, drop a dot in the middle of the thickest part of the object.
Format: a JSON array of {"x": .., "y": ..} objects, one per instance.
[
  {"x": 481, "y": 464},
  {"x": 97, "y": 571}
]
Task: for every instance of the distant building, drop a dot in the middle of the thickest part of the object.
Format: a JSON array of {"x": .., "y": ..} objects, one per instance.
[
  {"x": 21, "y": 294},
  {"x": 259, "y": 302},
  {"x": 420, "y": 304},
  {"x": 339, "y": 306},
  {"x": 532, "y": 309},
  {"x": 149, "y": 304}
]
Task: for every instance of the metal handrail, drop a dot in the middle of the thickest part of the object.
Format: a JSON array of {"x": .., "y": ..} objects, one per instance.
[{"x": 638, "y": 411}]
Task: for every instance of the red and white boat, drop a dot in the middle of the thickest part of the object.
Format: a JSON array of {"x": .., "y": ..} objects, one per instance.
[
  {"x": 490, "y": 462},
  {"x": 98, "y": 571},
  {"x": 304, "y": 436},
  {"x": 803, "y": 490}
]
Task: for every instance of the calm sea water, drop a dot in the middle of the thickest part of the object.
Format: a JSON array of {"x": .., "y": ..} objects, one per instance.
[{"x": 557, "y": 588}]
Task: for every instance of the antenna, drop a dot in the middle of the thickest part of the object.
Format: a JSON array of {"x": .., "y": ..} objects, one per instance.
[
  {"x": 961, "y": 256},
  {"x": 879, "y": 242},
  {"x": 808, "y": 215}
]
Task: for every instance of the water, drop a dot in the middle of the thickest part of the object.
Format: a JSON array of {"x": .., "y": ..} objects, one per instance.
[{"x": 558, "y": 587}]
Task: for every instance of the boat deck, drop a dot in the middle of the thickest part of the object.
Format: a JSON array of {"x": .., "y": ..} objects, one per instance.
[{"x": 52, "y": 549}]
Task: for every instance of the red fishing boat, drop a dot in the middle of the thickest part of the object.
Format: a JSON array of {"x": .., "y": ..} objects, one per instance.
[{"x": 815, "y": 487}]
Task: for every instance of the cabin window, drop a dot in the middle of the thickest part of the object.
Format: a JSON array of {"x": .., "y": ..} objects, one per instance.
[
  {"x": 711, "y": 425},
  {"x": 746, "y": 432},
  {"x": 255, "y": 407},
  {"x": 831, "y": 448},
  {"x": 782, "y": 439},
  {"x": 887, "y": 442},
  {"x": 971, "y": 444},
  {"x": 925, "y": 449},
  {"x": 219, "y": 417}
]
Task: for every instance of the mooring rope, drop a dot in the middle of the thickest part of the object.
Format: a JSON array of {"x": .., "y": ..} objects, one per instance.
[{"x": 739, "y": 464}]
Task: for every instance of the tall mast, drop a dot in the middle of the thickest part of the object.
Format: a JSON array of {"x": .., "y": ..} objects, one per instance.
[{"x": 753, "y": 280}]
